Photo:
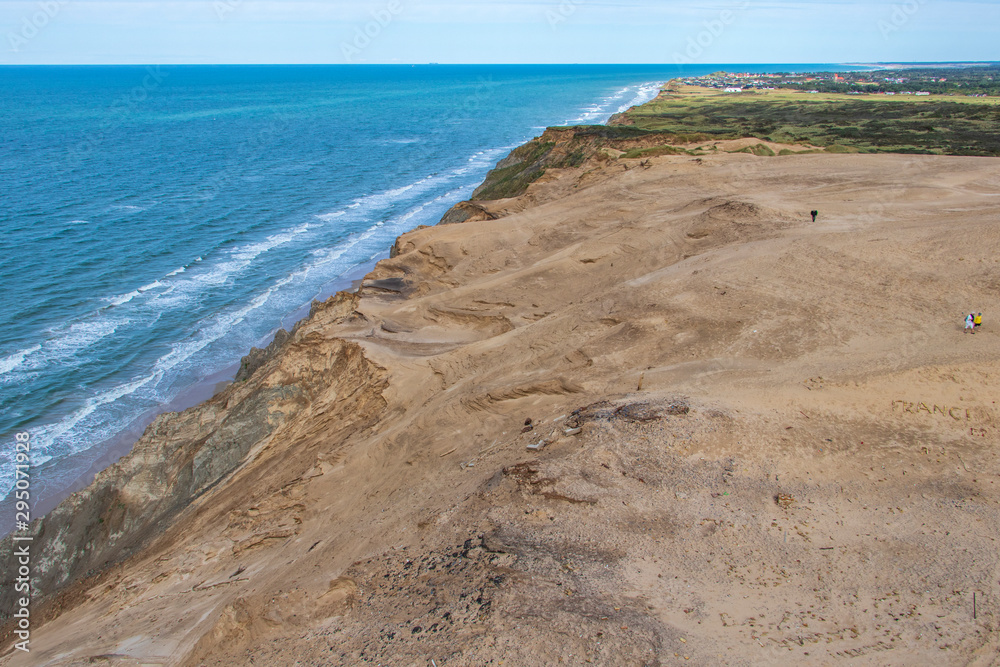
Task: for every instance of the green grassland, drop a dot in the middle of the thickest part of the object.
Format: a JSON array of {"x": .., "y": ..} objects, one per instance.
[
  {"x": 936, "y": 124},
  {"x": 574, "y": 146},
  {"x": 682, "y": 117}
]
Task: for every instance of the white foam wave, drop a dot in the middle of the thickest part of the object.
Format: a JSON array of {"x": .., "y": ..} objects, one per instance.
[
  {"x": 98, "y": 427},
  {"x": 67, "y": 340},
  {"x": 382, "y": 201},
  {"x": 152, "y": 285},
  {"x": 645, "y": 93},
  {"x": 12, "y": 361},
  {"x": 216, "y": 329},
  {"x": 385, "y": 199},
  {"x": 122, "y": 299},
  {"x": 45, "y": 436},
  {"x": 242, "y": 256},
  {"x": 61, "y": 344},
  {"x": 254, "y": 250},
  {"x": 600, "y": 112},
  {"x": 326, "y": 261},
  {"x": 328, "y": 256}
]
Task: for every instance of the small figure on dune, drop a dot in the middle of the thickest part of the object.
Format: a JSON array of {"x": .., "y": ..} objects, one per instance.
[
  {"x": 970, "y": 323},
  {"x": 978, "y": 320},
  {"x": 814, "y": 214}
]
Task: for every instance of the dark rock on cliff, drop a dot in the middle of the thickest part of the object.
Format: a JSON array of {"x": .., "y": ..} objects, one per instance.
[
  {"x": 257, "y": 357},
  {"x": 467, "y": 211}
]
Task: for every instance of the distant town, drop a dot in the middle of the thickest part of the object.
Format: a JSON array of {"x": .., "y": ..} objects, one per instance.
[{"x": 970, "y": 82}]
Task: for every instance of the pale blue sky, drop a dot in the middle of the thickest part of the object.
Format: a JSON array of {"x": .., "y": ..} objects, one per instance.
[{"x": 570, "y": 31}]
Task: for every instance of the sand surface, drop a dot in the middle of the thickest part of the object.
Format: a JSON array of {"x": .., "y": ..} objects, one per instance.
[{"x": 787, "y": 450}]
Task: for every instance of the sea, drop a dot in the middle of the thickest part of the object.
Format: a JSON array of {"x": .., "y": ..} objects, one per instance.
[{"x": 158, "y": 222}]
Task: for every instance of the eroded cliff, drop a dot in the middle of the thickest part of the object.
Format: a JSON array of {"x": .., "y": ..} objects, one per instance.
[{"x": 181, "y": 456}]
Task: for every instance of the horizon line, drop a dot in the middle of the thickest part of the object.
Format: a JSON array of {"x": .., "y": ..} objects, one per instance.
[{"x": 540, "y": 64}]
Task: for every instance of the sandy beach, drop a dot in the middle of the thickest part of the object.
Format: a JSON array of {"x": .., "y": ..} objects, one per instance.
[{"x": 651, "y": 414}]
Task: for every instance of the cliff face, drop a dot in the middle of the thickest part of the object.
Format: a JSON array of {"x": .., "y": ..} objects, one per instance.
[{"x": 181, "y": 456}]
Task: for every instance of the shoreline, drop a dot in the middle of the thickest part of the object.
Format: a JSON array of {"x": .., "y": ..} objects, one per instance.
[{"x": 121, "y": 444}]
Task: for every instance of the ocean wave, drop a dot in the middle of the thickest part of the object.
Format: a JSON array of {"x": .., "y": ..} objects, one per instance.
[
  {"x": 327, "y": 260},
  {"x": 12, "y": 361},
  {"x": 328, "y": 217},
  {"x": 128, "y": 208},
  {"x": 600, "y": 112},
  {"x": 46, "y": 436},
  {"x": 253, "y": 250},
  {"x": 48, "y": 440},
  {"x": 122, "y": 299},
  {"x": 239, "y": 259},
  {"x": 150, "y": 286},
  {"x": 69, "y": 339},
  {"x": 215, "y": 329},
  {"x": 645, "y": 93},
  {"x": 62, "y": 343},
  {"x": 327, "y": 255},
  {"x": 382, "y": 201},
  {"x": 171, "y": 292}
]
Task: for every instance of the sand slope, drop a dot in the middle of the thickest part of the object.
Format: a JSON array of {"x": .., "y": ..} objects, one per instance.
[{"x": 787, "y": 451}]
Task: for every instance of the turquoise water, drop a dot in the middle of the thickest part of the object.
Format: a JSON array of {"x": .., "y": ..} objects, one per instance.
[{"x": 158, "y": 222}]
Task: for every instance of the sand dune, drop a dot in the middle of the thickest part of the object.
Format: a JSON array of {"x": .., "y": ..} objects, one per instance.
[{"x": 787, "y": 445}]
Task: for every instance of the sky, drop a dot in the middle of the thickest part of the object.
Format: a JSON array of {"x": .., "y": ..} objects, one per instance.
[{"x": 494, "y": 31}]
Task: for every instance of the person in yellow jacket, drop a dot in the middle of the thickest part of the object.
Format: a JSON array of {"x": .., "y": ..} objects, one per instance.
[{"x": 978, "y": 320}]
